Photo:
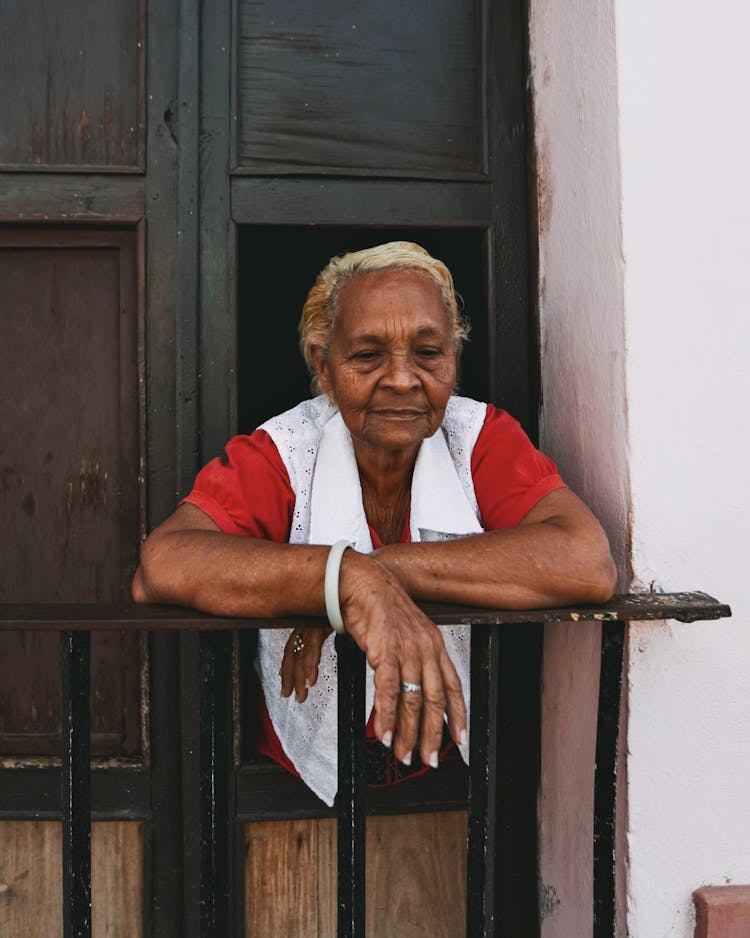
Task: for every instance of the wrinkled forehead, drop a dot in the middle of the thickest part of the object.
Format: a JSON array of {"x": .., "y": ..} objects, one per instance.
[{"x": 391, "y": 297}]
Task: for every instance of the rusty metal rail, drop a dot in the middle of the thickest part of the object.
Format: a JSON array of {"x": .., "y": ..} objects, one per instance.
[{"x": 75, "y": 623}]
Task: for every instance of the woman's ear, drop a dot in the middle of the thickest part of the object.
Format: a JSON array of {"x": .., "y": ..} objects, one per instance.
[{"x": 319, "y": 357}]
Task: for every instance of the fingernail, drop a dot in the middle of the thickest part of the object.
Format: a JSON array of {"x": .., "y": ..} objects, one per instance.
[
  {"x": 308, "y": 685},
  {"x": 462, "y": 737},
  {"x": 387, "y": 739},
  {"x": 407, "y": 759},
  {"x": 434, "y": 759}
]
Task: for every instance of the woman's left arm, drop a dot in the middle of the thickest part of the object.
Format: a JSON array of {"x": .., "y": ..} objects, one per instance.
[{"x": 557, "y": 555}]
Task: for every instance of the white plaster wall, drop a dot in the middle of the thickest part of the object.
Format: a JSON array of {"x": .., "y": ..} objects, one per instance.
[
  {"x": 583, "y": 420},
  {"x": 684, "y": 103},
  {"x": 643, "y": 157}
]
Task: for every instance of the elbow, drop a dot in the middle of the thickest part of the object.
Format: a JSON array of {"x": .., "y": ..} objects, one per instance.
[
  {"x": 592, "y": 572},
  {"x": 139, "y": 589},
  {"x": 605, "y": 582},
  {"x": 151, "y": 580},
  {"x": 603, "y": 577}
]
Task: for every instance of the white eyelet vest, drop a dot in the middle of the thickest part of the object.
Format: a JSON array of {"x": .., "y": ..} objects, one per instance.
[{"x": 317, "y": 452}]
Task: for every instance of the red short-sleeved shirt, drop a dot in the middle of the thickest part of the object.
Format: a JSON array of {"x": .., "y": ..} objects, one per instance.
[{"x": 248, "y": 492}]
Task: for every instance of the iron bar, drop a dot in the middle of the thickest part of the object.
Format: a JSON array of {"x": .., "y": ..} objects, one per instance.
[
  {"x": 480, "y": 873},
  {"x": 350, "y": 800},
  {"x": 605, "y": 777},
  {"x": 215, "y": 770},
  {"x": 75, "y": 652}
]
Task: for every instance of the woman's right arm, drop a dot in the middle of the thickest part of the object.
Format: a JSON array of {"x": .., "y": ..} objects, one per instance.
[{"x": 188, "y": 561}]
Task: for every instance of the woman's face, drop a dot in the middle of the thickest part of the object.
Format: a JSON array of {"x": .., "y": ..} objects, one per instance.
[{"x": 391, "y": 366}]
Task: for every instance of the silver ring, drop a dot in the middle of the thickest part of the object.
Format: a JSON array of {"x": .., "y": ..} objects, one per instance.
[
  {"x": 298, "y": 644},
  {"x": 408, "y": 687}
]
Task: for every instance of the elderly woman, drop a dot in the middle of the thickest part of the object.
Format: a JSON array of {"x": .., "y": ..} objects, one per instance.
[{"x": 441, "y": 498}]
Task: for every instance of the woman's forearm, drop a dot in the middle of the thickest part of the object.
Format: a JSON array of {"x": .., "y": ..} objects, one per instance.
[
  {"x": 228, "y": 575},
  {"x": 558, "y": 561}
]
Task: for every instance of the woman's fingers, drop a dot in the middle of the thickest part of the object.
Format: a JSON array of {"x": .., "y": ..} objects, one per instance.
[
  {"x": 386, "y": 699},
  {"x": 455, "y": 705},
  {"x": 407, "y": 720},
  {"x": 299, "y": 666},
  {"x": 286, "y": 671},
  {"x": 418, "y": 715},
  {"x": 401, "y": 644},
  {"x": 433, "y": 714}
]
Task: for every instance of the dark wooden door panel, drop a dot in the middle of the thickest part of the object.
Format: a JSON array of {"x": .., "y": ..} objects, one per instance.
[
  {"x": 388, "y": 88},
  {"x": 69, "y": 445},
  {"x": 73, "y": 84}
]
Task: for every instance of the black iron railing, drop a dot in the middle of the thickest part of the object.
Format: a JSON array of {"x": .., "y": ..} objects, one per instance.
[{"x": 75, "y": 624}]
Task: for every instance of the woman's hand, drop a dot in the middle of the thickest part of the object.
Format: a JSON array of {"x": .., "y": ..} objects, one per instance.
[
  {"x": 401, "y": 645},
  {"x": 299, "y": 666}
]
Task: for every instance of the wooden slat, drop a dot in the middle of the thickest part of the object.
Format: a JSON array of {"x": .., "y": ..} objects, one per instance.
[
  {"x": 360, "y": 202},
  {"x": 31, "y": 887},
  {"x": 218, "y": 250},
  {"x": 283, "y": 894},
  {"x": 416, "y": 876},
  {"x": 67, "y": 197}
]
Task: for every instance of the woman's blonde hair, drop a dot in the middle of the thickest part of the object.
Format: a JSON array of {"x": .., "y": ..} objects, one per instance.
[{"x": 321, "y": 307}]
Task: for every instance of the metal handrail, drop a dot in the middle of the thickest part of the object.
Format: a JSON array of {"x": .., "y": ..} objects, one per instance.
[{"x": 75, "y": 623}]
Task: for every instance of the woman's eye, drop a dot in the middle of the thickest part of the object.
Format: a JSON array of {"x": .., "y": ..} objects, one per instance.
[
  {"x": 367, "y": 355},
  {"x": 429, "y": 351}
]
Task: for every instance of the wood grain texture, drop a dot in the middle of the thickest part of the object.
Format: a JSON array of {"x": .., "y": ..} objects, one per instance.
[
  {"x": 70, "y": 197},
  {"x": 72, "y": 84},
  {"x": 360, "y": 202},
  {"x": 69, "y": 491},
  {"x": 391, "y": 87},
  {"x": 30, "y": 879},
  {"x": 283, "y": 894},
  {"x": 416, "y": 877}
]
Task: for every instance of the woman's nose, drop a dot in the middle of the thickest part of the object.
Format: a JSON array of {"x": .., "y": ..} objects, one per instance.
[{"x": 401, "y": 373}]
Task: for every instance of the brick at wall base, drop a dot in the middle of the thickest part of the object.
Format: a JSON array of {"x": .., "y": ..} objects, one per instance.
[{"x": 722, "y": 912}]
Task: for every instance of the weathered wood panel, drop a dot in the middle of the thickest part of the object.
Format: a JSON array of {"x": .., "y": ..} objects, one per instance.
[
  {"x": 391, "y": 87},
  {"x": 291, "y": 201},
  {"x": 69, "y": 491},
  {"x": 31, "y": 881},
  {"x": 283, "y": 892},
  {"x": 73, "y": 84},
  {"x": 416, "y": 877},
  {"x": 39, "y": 197}
]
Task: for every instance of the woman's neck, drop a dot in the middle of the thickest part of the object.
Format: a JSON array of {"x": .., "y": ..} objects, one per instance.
[{"x": 386, "y": 490}]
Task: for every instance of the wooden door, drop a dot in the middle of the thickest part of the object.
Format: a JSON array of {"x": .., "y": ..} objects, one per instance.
[{"x": 160, "y": 164}]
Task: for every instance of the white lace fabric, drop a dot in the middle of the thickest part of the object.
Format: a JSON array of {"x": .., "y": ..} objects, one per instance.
[{"x": 317, "y": 451}]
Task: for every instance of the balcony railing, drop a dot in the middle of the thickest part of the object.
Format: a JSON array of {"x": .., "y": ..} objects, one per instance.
[{"x": 75, "y": 624}]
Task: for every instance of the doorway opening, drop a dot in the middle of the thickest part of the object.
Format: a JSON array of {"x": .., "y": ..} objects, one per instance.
[{"x": 277, "y": 265}]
